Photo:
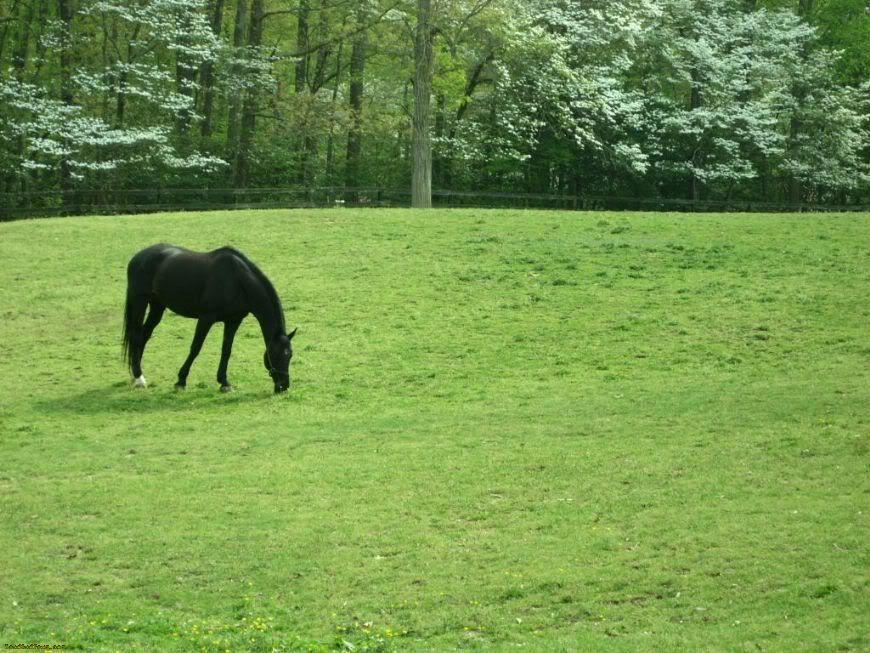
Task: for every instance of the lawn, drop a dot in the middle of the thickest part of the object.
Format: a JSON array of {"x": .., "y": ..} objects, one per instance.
[{"x": 507, "y": 430}]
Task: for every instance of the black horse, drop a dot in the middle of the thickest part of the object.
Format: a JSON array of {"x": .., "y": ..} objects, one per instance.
[{"x": 219, "y": 286}]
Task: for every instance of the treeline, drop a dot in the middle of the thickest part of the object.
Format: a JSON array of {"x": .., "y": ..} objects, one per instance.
[{"x": 697, "y": 99}]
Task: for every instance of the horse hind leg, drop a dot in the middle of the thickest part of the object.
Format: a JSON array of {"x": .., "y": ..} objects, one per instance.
[
  {"x": 155, "y": 313},
  {"x": 134, "y": 336}
]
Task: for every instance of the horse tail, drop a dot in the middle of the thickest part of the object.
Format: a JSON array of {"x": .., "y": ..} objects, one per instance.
[{"x": 134, "y": 312}]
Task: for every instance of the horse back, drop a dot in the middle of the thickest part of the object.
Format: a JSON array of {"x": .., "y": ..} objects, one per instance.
[{"x": 192, "y": 284}]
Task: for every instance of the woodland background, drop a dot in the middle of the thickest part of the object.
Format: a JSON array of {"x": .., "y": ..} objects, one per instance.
[{"x": 762, "y": 100}]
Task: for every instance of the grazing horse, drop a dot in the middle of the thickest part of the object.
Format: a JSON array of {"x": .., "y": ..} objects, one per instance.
[{"x": 219, "y": 286}]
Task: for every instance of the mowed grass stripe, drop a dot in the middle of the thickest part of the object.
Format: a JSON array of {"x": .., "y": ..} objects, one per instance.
[{"x": 561, "y": 431}]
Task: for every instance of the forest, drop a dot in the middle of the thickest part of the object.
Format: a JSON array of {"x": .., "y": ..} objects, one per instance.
[{"x": 764, "y": 100}]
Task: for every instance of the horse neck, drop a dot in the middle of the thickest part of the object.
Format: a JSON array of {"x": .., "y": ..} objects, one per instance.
[
  {"x": 266, "y": 312},
  {"x": 263, "y": 304},
  {"x": 270, "y": 323}
]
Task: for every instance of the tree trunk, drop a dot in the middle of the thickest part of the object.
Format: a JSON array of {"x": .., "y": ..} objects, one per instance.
[
  {"x": 316, "y": 80},
  {"x": 357, "y": 79},
  {"x": 324, "y": 51},
  {"x": 4, "y": 29},
  {"x": 695, "y": 103},
  {"x": 107, "y": 65},
  {"x": 301, "y": 78},
  {"x": 300, "y": 83},
  {"x": 795, "y": 188},
  {"x": 421, "y": 173},
  {"x": 22, "y": 47},
  {"x": 240, "y": 29},
  {"x": 329, "y": 174},
  {"x": 249, "y": 112},
  {"x": 206, "y": 73},
  {"x": 39, "y": 56},
  {"x": 184, "y": 78},
  {"x": 19, "y": 55},
  {"x": 439, "y": 161},
  {"x": 65, "y": 12}
]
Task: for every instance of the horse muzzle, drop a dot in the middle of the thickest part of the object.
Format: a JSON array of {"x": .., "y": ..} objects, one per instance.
[{"x": 281, "y": 385}]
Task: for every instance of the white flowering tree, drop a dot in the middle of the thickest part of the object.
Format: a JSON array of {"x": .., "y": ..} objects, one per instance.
[
  {"x": 117, "y": 110},
  {"x": 559, "y": 91},
  {"x": 674, "y": 96},
  {"x": 743, "y": 99},
  {"x": 720, "y": 86}
]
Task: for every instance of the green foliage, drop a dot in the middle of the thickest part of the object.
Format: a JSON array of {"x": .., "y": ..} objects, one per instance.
[
  {"x": 763, "y": 100},
  {"x": 556, "y": 431}
]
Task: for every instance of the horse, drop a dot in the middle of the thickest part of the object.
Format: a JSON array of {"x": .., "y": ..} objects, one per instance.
[{"x": 223, "y": 285}]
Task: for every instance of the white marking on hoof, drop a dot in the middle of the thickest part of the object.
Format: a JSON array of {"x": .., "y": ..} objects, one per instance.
[
  {"x": 226, "y": 388},
  {"x": 140, "y": 382}
]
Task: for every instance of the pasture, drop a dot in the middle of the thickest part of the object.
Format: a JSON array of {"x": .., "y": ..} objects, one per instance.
[{"x": 507, "y": 430}]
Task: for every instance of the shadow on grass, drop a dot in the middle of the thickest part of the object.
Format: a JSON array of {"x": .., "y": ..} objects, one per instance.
[{"x": 121, "y": 398}]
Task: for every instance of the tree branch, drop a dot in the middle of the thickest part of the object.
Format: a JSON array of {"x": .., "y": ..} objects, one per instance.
[{"x": 341, "y": 37}]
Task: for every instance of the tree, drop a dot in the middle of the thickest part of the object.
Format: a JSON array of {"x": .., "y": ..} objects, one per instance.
[
  {"x": 68, "y": 133},
  {"x": 355, "y": 99},
  {"x": 745, "y": 99},
  {"x": 421, "y": 174},
  {"x": 748, "y": 75},
  {"x": 206, "y": 72}
]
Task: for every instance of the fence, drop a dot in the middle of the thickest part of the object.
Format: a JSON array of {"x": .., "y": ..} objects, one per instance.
[{"x": 56, "y": 203}]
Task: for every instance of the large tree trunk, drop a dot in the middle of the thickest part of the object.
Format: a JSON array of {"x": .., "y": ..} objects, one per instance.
[
  {"x": 357, "y": 78},
  {"x": 206, "y": 72},
  {"x": 421, "y": 173}
]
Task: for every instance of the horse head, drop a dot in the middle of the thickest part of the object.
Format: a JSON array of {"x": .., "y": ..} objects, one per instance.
[{"x": 276, "y": 359}]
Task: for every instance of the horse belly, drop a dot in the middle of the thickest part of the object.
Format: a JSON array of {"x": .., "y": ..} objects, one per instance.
[{"x": 182, "y": 294}]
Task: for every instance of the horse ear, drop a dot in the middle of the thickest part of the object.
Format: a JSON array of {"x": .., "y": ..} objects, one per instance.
[{"x": 292, "y": 333}]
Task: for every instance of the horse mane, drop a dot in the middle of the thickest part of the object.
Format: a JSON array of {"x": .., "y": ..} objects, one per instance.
[{"x": 274, "y": 300}]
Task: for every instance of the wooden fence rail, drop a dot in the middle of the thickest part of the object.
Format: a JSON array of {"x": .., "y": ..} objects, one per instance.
[{"x": 121, "y": 201}]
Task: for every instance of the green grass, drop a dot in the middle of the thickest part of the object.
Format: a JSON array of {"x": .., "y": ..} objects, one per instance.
[{"x": 539, "y": 430}]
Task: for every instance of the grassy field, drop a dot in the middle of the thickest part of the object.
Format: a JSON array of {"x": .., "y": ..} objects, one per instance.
[{"x": 507, "y": 430}]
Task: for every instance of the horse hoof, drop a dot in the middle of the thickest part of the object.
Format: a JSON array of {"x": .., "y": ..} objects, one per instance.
[
  {"x": 140, "y": 382},
  {"x": 180, "y": 388},
  {"x": 226, "y": 388}
]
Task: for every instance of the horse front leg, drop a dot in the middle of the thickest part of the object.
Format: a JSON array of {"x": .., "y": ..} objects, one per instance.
[
  {"x": 202, "y": 328},
  {"x": 230, "y": 328}
]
